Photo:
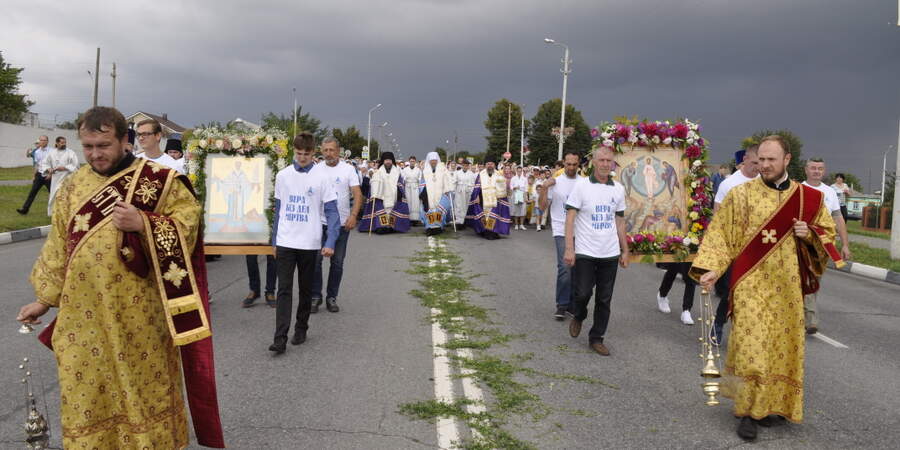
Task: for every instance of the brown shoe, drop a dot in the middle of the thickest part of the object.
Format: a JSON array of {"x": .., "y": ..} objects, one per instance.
[
  {"x": 574, "y": 328},
  {"x": 251, "y": 297},
  {"x": 271, "y": 300},
  {"x": 600, "y": 348}
]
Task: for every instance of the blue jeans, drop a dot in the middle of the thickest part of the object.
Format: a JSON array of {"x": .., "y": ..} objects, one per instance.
[
  {"x": 563, "y": 275},
  {"x": 335, "y": 271},
  {"x": 253, "y": 274}
]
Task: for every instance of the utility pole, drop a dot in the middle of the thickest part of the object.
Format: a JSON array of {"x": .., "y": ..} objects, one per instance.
[
  {"x": 508, "y": 124},
  {"x": 114, "y": 85},
  {"x": 455, "y": 143},
  {"x": 895, "y": 227},
  {"x": 97, "y": 76},
  {"x": 295, "y": 113},
  {"x": 522, "y": 139}
]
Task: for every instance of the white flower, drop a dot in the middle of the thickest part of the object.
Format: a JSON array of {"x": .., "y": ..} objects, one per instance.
[
  {"x": 220, "y": 144},
  {"x": 269, "y": 139},
  {"x": 236, "y": 144},
  {"x": 694, "y": 185},
  {"x": 690, "y": 141},
  {"x": 254, "y": 141},
  {"x": 697, "y": 163},
  {"x": 656, "y": 139},
  {"x": 607, "y": 143},
  {"x": 605, "y": 135},
  {"x": 642, "y": 137},
  {"x": 203, "y": 143},
  {"x": 632, "y": 138},
  {"x": 686, "y": 241},
  {"x": 667, "y": 141}
]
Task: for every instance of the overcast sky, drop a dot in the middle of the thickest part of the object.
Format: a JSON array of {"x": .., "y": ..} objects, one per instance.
[{"x": 829, "y": 73}]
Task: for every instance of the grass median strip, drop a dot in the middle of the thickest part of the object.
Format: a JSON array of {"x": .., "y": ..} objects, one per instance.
[
  {"x": 12, "y": 197},
  {"x": 445, "y": 288}
]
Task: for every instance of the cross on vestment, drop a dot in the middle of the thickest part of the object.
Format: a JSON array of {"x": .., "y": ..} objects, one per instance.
[{"x": 769, "y": 237}]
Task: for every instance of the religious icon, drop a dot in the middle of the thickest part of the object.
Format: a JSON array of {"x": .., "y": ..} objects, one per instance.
[
  {"x": 652, "y": 180},
  {"x": 237, "y": 194}
]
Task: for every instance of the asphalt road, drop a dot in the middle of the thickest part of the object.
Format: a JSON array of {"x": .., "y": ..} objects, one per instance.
[{"x": 341, "y": 389}]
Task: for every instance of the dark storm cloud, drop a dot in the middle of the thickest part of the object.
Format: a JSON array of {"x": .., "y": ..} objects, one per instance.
[{"x": 826, "y": 70}]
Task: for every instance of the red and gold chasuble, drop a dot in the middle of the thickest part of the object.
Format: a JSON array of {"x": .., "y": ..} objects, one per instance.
[{"x": 129, "y": 303}]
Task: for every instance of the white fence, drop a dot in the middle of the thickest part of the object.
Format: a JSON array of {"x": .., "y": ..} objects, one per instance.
[{"x": 16, "y": 139}]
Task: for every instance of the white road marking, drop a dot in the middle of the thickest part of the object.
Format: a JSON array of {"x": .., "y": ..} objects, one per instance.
[
  {"x": 447, "y": 428},
  {"x": 471, "y": 389},
  {"x": 829, "y": 340}
]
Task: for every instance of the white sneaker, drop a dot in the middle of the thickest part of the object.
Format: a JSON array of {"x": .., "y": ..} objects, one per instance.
[
  {"x": 663, "y": 303},
  {"x": 686, "y": 318},
  {"x": 538, "y": 228}
]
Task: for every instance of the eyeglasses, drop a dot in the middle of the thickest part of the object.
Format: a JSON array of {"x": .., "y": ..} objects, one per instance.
[{"x": 143, "y": 135}]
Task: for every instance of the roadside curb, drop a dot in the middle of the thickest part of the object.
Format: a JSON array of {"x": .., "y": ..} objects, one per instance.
[
  {"x": 864, "y": 270},
  {"x": 23, "y": 235}
]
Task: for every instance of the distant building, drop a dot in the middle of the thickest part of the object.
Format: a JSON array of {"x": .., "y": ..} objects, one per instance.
[
  {"x": 856, "y": 201},
  {"x": 169, "y": 128}
]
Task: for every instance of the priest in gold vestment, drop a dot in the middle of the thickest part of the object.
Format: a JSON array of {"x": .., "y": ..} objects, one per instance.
[
  {"x": 119, "y": 368},
  {"x": 777, "y": 253}
]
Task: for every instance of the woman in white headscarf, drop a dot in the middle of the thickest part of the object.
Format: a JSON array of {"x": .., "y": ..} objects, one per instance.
[{"x": 434, "y": 188}]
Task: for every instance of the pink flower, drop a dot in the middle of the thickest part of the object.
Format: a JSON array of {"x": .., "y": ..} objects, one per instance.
[
  {"x": 628, "y": 239},
  {"x": 638, "y": 238},
  {"x": 595, "y": 133},
  {"x": 650, "y": 237},
  {"x": 693, "y": 151},
  {"x": 680, "y": 131}
]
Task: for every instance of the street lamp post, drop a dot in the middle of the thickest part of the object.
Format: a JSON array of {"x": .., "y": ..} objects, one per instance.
[
  {"x": 562, "y": 115},
  {"x": 295, "y": 111},
  {"x": 369, "y": 129}
]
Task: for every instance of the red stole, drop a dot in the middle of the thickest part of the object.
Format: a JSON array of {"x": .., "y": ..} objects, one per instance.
[
  {"x": 184, "y": 286},
  {"x": 802, "y": 205}
]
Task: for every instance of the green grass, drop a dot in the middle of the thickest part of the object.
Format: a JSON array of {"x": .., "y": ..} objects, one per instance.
[
  {"x": 855, "y": 227},
  {"x": 443, "y": 286},
  {"x": 877, "y": 257},
  {"x": 12, "y": 197},
  {"x": 16, "y": 173}
]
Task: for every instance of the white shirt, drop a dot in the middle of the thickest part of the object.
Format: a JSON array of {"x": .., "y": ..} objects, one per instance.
[
  {"x": 344, "y": 177},
  {"x": 831, "y": 197},
  {"x": 557, "y": 194},
  {"x": 595, "y": 224},
  {"x": 166, "y": 160},
  {"x": 839, "y": 190},
  {"x": 302, "y": 197},
  {"x": 733, "y": 180}
]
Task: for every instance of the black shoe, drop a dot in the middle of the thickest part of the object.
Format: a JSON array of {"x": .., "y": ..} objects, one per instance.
[
  {"x": 747, "y": 430},
  {"x": 812, "y": 330},
  {"x": 22, "y": 211},
  {"x": 331, "y": 305},
  {"x": 560, "y": 313},
  {"x": 299, "y": 337},
  {"x": 278, "y": 347},
  {"x": 248, "y": 302},
  {"x": 314, "y": 308},
  {"x": 772, "y": 420}
]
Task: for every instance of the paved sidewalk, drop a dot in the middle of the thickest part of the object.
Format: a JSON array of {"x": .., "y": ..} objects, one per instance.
[{"x": 873, "y": 242}]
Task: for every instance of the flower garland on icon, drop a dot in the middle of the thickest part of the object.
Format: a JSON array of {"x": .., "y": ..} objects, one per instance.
[
  {"x": 624, "y": 134},
  {"x": 234, "y": 142}
]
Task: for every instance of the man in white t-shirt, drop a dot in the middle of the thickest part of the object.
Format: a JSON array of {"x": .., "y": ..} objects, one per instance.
[
  {"x": 815, "y": 172},
  {"x": 149, "y": 134},
  {"x": 346, "y": 185},
  {"x": 748, "y": 169},
  {"x": 553, "y": 196},
  {"x": 302, "y": 197},
  {"x": 595, "y": 244}
]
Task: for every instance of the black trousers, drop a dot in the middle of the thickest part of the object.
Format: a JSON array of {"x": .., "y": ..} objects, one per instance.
[
  {"x": 594, "y": 276},
  {"x": 722, "y": 292},
  {"x": 36, "y": 184},
  {"x": 672, "y": 271},
  {"x": 286, "y": 261}
]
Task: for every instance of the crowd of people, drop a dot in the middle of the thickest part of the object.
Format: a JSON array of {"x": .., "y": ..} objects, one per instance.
[{"x": 749, "y": 257}]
